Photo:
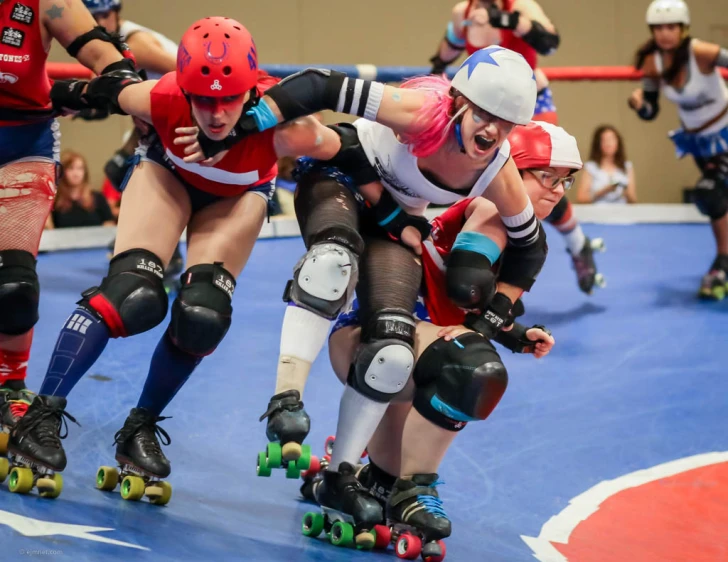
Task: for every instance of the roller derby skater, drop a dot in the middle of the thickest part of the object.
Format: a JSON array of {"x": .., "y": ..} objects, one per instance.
[
  {"x": 223, "y": 207},
  {"x": 686, "y": 71}
]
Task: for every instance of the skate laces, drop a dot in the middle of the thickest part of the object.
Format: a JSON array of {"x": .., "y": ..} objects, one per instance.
[
  {"x": 150, "y": 432},
  {"x": 50, "y": 424},
  {"x": 432, "y": 504}
]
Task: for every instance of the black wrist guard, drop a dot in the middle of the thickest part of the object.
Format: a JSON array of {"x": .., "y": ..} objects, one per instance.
[
  {"x": 103, "y": 91},
  {"x": 544, "y": 42},
  {"x": 393, "y": 219},
  {"x": 501, "y": 19},
  {"x": 515, "y": 339},
  {"x": 67, "y": 95},
  {"x": 493, "y": 319},
  {"x": 351, "y": 158}
]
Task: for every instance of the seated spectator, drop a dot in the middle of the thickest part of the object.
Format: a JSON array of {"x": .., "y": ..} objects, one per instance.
[
  {"x": 76, "y": 203},
  {"x": 608, "y": 177}
]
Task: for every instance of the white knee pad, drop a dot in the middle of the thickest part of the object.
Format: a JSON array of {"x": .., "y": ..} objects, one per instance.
[{"x": 382, "y": 369}]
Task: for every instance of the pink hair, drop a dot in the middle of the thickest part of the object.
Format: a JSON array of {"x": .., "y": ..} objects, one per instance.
[{"x": 434, "y": 118}]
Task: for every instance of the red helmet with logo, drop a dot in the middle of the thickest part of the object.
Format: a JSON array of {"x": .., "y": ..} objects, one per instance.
[{"x": 217, "y": 57}]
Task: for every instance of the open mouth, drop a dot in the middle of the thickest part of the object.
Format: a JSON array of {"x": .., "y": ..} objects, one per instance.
[
  {"x": 484, "y": 144},
  {"x": 217, "y": 129}
]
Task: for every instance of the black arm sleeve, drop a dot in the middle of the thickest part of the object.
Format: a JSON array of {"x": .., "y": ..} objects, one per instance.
[{"x": 520, "y": 265}]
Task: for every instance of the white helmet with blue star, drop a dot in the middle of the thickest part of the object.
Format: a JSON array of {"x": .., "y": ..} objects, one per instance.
[{"x": 499, "y": 81}]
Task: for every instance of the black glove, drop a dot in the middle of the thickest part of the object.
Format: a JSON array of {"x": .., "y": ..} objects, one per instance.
[
  {"x": 515, "y": 339},
  {"x": 494, "y": 319},
  {"x": 439, "y": 66},
  {"x": 393, "y": 219},
  {"x": 67, "y": 95},
  {"x": 502, "y": 19},
  {"x": 92, "y": 114}
]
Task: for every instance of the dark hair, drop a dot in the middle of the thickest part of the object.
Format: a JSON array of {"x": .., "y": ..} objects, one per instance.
[
  {"x": 596, "y": 155},
  {"x": 682, "y": 56}
]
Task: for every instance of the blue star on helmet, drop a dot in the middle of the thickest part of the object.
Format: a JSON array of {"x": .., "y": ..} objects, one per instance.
[{"x": 484, "y": 56}]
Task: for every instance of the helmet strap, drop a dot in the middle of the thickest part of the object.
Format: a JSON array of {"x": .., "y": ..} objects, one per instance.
[{"x": 457, "y": 120}]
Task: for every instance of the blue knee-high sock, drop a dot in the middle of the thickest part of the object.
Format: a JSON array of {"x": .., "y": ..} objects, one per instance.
[
  {"x": 168, "y": 372},
  {"x": 82, "y": 339}
]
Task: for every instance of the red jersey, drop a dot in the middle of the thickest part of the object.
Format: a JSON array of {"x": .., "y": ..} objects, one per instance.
[
  {"x": 251, "y": 162},
  {"x": 509, "y": 40},
  {"x": 24, "y": 83}
]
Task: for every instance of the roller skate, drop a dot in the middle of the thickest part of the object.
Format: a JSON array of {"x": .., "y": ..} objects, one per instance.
[
  {"x": 288, "y": 425},
  {"x": 714, "y": 285},
  {"x": 35, "y": 454},
  {"x": 586, "y": 270},
  {"x": 172, "y": 273},
  {"x": 318, "y": 465},
  {"x": 416, "y": 521},
  {"x": 348, "y": 512},
  {"x": 142, "y": 464}
]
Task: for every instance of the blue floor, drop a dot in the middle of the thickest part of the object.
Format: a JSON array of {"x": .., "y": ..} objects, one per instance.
[{"x": 638, "y": 378}]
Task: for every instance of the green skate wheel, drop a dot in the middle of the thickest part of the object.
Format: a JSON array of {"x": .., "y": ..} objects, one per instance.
[
  {"x": 21, "y": 480},
  {"x": 132, "y": 488},
  {"x": 342, "y": 534},
  {"x": 107, "y": 478},
  {"x": 51, "y": 492},
  {"x": 273, "y": 455},
  {"x": 166, "y": 494},
  {"x": 263, "y": 469},
  {"x": 292, "y": 471},
  {"x": 4, "y": 469},
  {"x": 313, "y": 524},
  {"x": 304, "y": 461}
]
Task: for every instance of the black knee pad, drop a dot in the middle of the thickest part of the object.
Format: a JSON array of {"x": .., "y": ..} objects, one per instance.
[
  {"x": 470, "y": 280},
  {"x": 19, "y": 292},
  {"x": 384, "y": 362},
  {"x": 557, "y": 213},
  {"x": 459, "y": 381},
  {"x": 202, "y": 311},
  {"x": 131, "y": 299},
  {"x": 711, "y": 194}
]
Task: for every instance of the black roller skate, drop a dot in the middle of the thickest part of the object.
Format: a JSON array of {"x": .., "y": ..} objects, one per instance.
[
  {"x": 586, "y": 270},
  {"x": 172, "y": 273},
  {"x": 715, "y": 283},
  {"x": 348, "y": 512},
  {"x": 13, "y": 406},
  {"x": 416, "y": 521},
  {"x": 35, "y": 454},
  {"x": 288, "y": 425},
  {"x": 142, "y": 464}
]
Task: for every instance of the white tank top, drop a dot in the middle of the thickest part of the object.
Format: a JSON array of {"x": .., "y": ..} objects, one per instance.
[
  {"x": 129, "y": 28},
  {"x": 701, "y": 99},
  {"x": 401, "y": 176}
]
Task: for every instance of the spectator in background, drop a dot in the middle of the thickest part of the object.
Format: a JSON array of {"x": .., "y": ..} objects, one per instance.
[
  {"x": 608, "y": 176},
  {"x": 76, "y": 203}
]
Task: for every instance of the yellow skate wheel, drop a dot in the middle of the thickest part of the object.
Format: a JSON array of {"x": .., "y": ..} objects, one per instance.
[
  {"x": 21, "y": 480},
  {"x": 50, "y": 488},
  {"x": 366, "y": 540},
  {"x": 263, "y": 468},
  {"x": 4, "y": 469},
  {"x": 291, "y": 451},
  {"x": 292, "y": 471},
  {"x": 273, "y": 455},
  {"x": 313, "y": 524},
  {"x": 342, "y": 534},
  {"x": 304, "y": 461},
  {"x": 165, "y": 496},
  {"x": 4, "y": 442},
  {"x": 107, "y": 478},
  {"x": 132, "y": 488}
]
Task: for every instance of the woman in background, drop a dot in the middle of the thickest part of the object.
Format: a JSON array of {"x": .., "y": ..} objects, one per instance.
[{"x": 609, "y": 176}]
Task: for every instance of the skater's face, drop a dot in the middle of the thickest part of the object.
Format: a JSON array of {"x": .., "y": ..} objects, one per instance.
[
  {"x": 75, "y": 173},
  {"x": 217, "y": 116},
  {"x": 482, "y": 133},
  {"x": 545, "y": 188},
  {"x": 109, "y": 20},
  {"x": 609, "y": 143},
  {"x": 667, "y": 36}
]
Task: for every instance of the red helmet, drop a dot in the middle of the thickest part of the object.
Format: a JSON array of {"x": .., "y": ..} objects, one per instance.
[{"x": 217, "y": 57}]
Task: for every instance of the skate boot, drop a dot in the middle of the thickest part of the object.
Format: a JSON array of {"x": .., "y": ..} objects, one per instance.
[
  {"x": 35, "y": 453},
  {"x": 377, "y": 482},
  {"x": 715, "y": 283},
  {"x": 172, "y": 273},
  {"x": 13, "y": 406},
  {"x": 142, "y": 464},
  {"x": 416, "y": 520},
  {"x": 348, "y": 512},
  {"x": 586, "y": 270},
  {"x": 288, "y": 425}
]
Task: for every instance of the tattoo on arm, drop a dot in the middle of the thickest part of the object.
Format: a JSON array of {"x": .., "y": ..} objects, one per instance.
[{"x": 55, "y": 12}]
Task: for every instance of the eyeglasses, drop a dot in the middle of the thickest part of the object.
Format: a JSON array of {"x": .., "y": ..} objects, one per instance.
[{"x": 552, "y": 181}]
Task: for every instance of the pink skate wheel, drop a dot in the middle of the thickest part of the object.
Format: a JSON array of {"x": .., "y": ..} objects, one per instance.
[
  {"x": 408, "y": 547},
  {"x": 438, "y": 558},
  {"x": 329, "y": 445},
  {"x": 384, "y": 536},
  {"x": 313, "y": 469}
]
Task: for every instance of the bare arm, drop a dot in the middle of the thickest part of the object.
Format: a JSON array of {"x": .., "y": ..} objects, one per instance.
[
  {"x": 708, "y": 55},
  {"x": 149, "y": 53},
  {"x": 631, "y": 191},
  {"x": 507, "y": 191},
  {"x": 136, "y": 100},
  {"x": 66, "y": 20},
  {"x": 531, "y": 11},
  {"x": 583, "y": 191}
]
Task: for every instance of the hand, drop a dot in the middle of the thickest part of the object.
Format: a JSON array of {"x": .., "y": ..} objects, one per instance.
[
  {"x": 544, "y": 342},
  {"x": 501, "y": 19},
  {"x": 637, "y": 99},
  {"x": 413, "y": 238},
  {"x": 449, "y": 333},
  {"x": 193, "y": 150}
]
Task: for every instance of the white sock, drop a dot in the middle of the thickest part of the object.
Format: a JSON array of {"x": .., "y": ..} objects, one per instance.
[
  {"x": 575, "y": 240},
  {"x": 359, "y": 417},
  {"x": 303, "y": 335}
]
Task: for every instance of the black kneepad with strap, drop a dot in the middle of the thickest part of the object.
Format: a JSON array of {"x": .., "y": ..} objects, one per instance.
[
  {"x": 711, "y": 192},
  {"x": 202, "y": 311},
  {"x": 19, "y": 292},
  {"x": 459, "y": 381},
  {"x": 351, "y": 158},
  {"x": 469, "y": 279},
  {"x": 131, "y": 299}
]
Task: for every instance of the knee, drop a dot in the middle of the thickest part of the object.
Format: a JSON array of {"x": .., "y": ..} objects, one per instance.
[
  {"x": 455, "y": 384},
  {"x": 711, "y": 197},
  {"x": 384, "y": 362},
  {"x": 132, "y": 298},
  {"x": 202, "y": 312},
  {"x": 19, "y": 292}
]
